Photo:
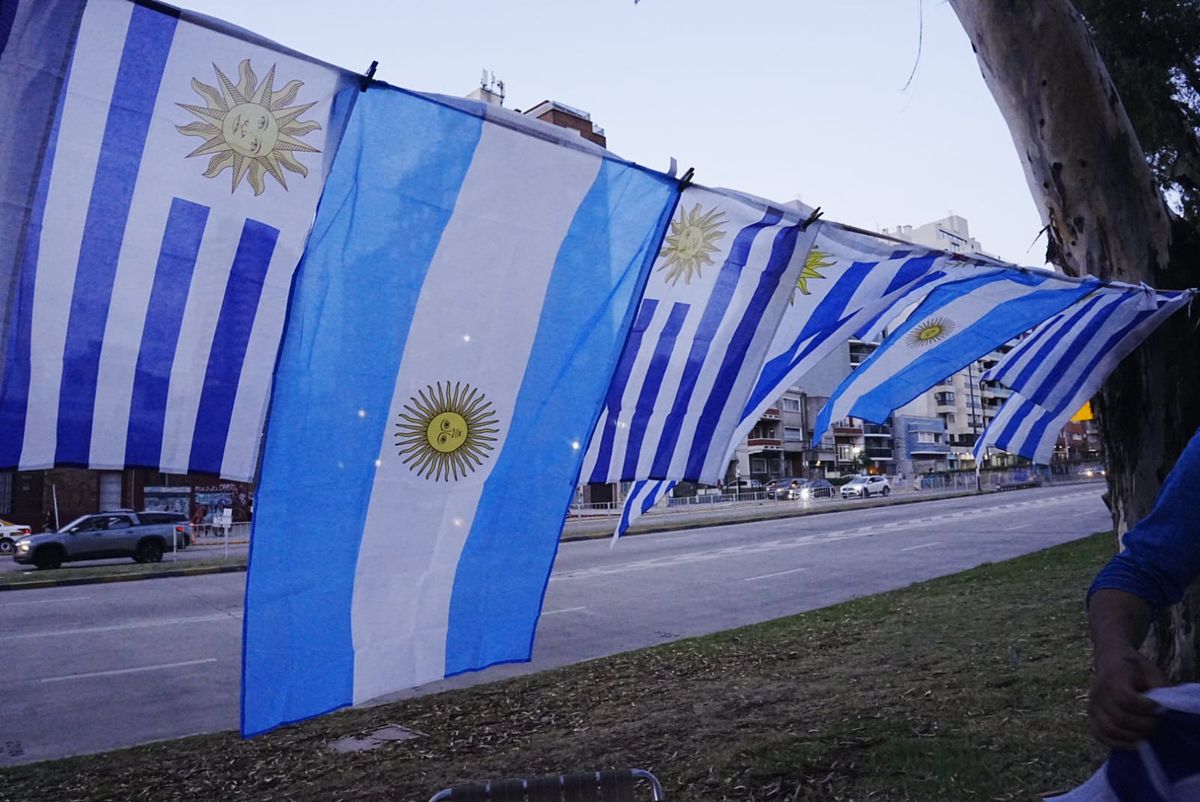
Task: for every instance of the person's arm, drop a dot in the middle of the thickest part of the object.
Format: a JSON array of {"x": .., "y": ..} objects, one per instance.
[{"x": 1118, "y": 712}]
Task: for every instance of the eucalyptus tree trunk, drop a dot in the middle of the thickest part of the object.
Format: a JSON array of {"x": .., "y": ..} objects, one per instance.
[{"x": 1105, "y": 216}]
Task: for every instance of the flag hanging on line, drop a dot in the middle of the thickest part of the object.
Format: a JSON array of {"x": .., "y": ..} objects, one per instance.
[
  {"x": 179, "y": 169},
  {"x": 1163, "y": 768},
  {"x": 869, "y": 280},
  {"x": 849, "y": 282},
  {"x": 455, "y": 323},
  {"x": 1056, "y": 369},
  {"x": 727, "y": 269},
  {"x": 957, "y": 323}
]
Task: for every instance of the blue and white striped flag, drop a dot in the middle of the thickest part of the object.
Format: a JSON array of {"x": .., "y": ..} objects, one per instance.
[
  {"x": 957, "y": 323},
  {"x": 179, "y": 166},
  {"x": 727, "y": 270},
  {"x": 454, "y": 326},
  {"x": 850, "y": 282},
  {"x": 1163, "y": 768},
  {"x": 642, "y": 498},
  {"x": 1063, "y": 363},
  {"x": 868, "y": 280}
]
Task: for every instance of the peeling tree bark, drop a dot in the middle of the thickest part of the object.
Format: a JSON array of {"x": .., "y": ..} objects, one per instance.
[{"x": 1104, "y": 216}]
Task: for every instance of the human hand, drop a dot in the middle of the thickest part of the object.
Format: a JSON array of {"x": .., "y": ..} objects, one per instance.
[{"x": 1119, "y": 714}]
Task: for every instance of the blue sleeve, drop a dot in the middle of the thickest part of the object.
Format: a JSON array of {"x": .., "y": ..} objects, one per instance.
[{"x": 1161, "y": 554}]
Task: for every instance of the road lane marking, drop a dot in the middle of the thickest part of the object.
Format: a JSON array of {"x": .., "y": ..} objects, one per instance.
[
  {"x": 47, "y": 601},
  {"x": 564, "y": 610},
  {"x": 922, "y": 546},
  {"x": 166, "y": 622},
  {"x": 1017, "y": 528},
  {"x": 116, "y": 671},
  {"x": 777, "y": 573}
]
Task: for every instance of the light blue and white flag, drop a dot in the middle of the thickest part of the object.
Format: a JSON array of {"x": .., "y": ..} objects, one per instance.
[
  {"x": 1163, "y": 768},
  {"x": 1063, "y": 363},
  {"x": 454, "y": 326},
  {"x": 178, "y": 173},
  {"x": 726, "y": 272},
  {"x": 957, "y": 323}
]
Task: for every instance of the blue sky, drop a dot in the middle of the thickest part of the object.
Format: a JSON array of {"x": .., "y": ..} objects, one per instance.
[{"x": 780, "y": 99}]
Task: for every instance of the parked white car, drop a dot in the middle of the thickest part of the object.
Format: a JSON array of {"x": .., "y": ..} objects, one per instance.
[
  {"x": 9, "y": 534},
  {"x": 866, "y": 486}
]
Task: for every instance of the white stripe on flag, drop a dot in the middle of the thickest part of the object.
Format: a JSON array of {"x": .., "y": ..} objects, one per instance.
[{"x": 412, "y": 606}]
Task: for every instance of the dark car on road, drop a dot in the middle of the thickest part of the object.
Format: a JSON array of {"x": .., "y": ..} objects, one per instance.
[
  {"x": 816, "y": 488},
  {"x": 144, "y": 536}
]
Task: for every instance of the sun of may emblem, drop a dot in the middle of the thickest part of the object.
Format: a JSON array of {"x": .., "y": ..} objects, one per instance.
[
  {"x": 931, "y": 331},
  {"x": 691, "y": 242},
  {"x": 816, "y": 260},
  {"x": 249, "y": 128},
  {"x": 446, "y": 432}
]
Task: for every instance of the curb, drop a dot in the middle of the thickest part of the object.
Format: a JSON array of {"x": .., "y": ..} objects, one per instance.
[{"x": 38, "y": 584}]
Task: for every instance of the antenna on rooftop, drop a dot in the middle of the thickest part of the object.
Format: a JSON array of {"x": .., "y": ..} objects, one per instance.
[{"x": 488, "y": 85}]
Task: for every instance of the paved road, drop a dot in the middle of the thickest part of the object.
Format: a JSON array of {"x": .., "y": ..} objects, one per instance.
[{"x": 95, "y": 667}]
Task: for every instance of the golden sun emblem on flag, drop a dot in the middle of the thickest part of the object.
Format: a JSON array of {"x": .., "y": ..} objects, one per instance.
[
  {"x": 691, "y": 242},
  {"x": 446, "y": 432},
  {"x": 817, "y": 260},
  {"x": 933, "y": 330},
  {"x": 249, "y": 128}
]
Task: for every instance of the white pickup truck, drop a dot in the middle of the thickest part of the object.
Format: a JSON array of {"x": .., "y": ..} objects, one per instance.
[{"x": 144, "y": 536}]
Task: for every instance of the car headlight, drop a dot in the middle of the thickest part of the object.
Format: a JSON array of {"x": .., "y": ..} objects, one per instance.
[
  {"x": 22, "y": 545},
  {"x": 805, "y": 494}
]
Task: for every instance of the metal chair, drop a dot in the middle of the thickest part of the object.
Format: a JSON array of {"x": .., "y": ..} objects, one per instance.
[{"x": 593, "y": 786}]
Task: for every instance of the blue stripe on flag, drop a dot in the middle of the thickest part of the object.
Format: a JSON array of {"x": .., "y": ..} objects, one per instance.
[
  {"x": 1128, "y": 778},
  {"x": 1005, "y": 438},
  {"x": 911, "y": 270},
  {"x": 616, "y": 390},
  {"x": 8, "y": 14},
  {"x": 14, "y": 402},
  {"x": 648, "y": 395},
  {"x": 230, "y": 340},
  {"x": 1061, "y": 367},
  {"x": 710, "y": 322},
  {"x": 369, "y": 268},
  {"x": 1026, "y": 346},
  {"x": 782, "y": 251},
  {"x": 147, "y": 45},
  {"x": 168, "y": 298},
  {"x": 515, "y": 535}
]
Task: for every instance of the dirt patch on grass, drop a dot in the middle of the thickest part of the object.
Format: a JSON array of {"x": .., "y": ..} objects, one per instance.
[{"x": 964, "y": 688}]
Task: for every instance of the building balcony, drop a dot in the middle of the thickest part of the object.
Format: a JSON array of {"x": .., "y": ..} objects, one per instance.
[
  {"x": 875, "y": 430},
  {"x": 847, "y": 431},
  {"x": 765, "y": 443},
  {"x": 771, "y": 413},
  {"x": 929, "y": 450},
  {"x": 879, "y": 453}
]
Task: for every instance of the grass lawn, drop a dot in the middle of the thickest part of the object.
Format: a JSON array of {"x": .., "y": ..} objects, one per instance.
[{"x": 969, "y": 687}]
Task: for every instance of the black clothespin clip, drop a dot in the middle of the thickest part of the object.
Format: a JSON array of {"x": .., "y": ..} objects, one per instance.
[
  {"x": 812, "y": 218},
  {"x": 365, "y": 81},
  {"x": 687, "y": 178}
]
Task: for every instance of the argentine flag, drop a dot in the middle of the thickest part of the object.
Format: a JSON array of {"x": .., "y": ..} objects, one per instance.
[
  {"x": 1063, "y": 363},
  {"x": 160, "y": 175},
  {"x": 957, "y": 323},
  {"x": 456, "y": 320}
]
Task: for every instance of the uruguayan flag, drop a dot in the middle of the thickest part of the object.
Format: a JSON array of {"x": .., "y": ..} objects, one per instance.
[
  {"x": 1163, "y": 768},
  {"x": 956, "y": 324},
  {"x": 179, "y": 171},
  {"x": 849, "y": 282},
  {"x": 642, "y": 498},
  {"x": 1063, "y": 362},
  {"x": 455, "y": 323},
  {"x": 727, "y": 270},
  {"x": 865, "y": 281}
]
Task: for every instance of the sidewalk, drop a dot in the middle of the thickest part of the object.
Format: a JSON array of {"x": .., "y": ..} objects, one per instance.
[{"x": 738, "y": 512}]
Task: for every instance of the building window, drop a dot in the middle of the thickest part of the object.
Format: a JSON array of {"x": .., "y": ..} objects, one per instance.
[
  {"x": 110, "y": 490},
  {"x": 928, "y": 437},
  {"x": 793, "y": 434},
  {"x": 789, "y": 404},
  {"x": 947, "y": 417},
  {"x": 758, "y": 465},
  {"x": 943, "y": 398}
]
